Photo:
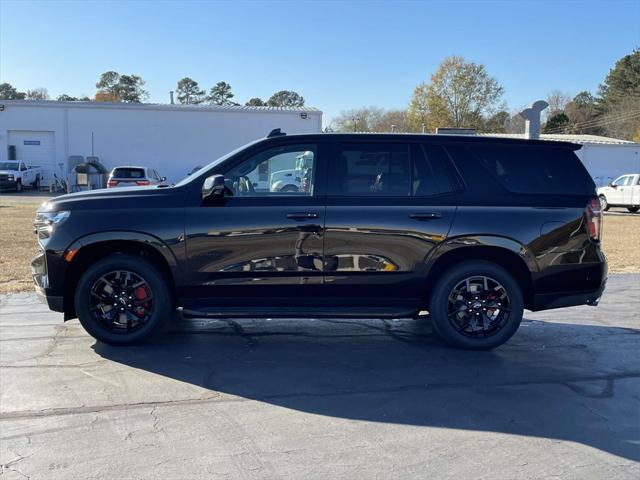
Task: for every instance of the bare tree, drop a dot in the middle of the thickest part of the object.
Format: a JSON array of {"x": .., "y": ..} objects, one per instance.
[
  {"x": 557, "y": 101},
  {"x": 38, "y": 94}
]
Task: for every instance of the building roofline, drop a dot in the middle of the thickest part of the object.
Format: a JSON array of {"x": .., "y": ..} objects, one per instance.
[{"x": 158, "y": 106}]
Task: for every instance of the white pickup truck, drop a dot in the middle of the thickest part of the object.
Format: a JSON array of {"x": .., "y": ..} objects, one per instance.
[
  {"x": 624, "y": 191},
  {"x": 15, "y": 174}
]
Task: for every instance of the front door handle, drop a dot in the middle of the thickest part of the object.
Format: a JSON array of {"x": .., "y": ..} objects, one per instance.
[
  {"x": 425, "y": 216},
  {"x": 302, "y": 215}
]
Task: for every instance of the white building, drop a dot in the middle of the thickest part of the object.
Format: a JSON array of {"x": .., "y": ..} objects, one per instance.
[
  {"x": 605, "y": 158},
  {"x": 170, "y": 138}
]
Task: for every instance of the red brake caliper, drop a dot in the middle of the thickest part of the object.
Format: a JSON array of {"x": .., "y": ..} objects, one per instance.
[{"x": 140, "y": 293}]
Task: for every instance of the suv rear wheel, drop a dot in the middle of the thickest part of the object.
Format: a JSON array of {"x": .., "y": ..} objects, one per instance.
[
  {"x": 476, "y": 305},
  {"x": 122, "y": 299}
]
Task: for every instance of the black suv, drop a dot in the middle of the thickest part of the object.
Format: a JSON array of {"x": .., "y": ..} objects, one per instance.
[{"x": 464, "y": 230}]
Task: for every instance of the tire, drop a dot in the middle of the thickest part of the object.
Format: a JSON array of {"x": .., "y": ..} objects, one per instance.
[
  {"x": 289, "y": 188},
  {"x": 19, "y": 186},
  {"x": 604, "y": 205},
  {"x": 633, "y": 209},
  {"x": 36, "y": 185},
  {"x": 113, "y": 332},
  {"x": 475, "y": 337}
]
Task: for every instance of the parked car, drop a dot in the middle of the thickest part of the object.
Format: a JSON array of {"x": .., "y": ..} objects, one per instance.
[
  {"x": 624, "y": 191},
  {"x": 134, "y": 176},
  {"x": 463, "y": 231},
  {"x": 16, "y": 174}
]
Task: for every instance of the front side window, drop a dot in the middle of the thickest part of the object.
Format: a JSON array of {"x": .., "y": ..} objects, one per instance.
[
  {"x": 279, "y": 171},
  {"x": 620, "y": 181},
  {"x": 381, "y": 170}
]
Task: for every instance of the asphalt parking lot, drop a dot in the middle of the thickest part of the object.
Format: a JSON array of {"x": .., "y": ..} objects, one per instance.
[{"x": 323, "y": 399}]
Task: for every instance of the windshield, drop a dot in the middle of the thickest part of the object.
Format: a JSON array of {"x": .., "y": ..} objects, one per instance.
[
  {"x": 8, "y": 166},
  {"x": 204, "y": 170}
]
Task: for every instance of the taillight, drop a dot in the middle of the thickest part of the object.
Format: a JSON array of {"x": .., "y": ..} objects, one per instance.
[
  {"x": 593, "y": 214},
  {"x": 142, "y": 182},
  {"x": 112, "y": 183}
]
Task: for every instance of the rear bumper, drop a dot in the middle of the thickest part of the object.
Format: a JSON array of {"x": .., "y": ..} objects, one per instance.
[{"x": 591, "y": 280}]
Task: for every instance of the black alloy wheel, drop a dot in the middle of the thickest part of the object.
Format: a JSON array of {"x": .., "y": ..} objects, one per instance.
[
  {"x": 476, "y": 305},
  {"x": 123, "y": 299}
]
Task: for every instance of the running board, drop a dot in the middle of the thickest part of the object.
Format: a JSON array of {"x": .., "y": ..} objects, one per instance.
[{"x": 279, "y": 312}]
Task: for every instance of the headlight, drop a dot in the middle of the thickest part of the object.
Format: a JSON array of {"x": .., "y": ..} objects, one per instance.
[{"x": 45, "y": 221}]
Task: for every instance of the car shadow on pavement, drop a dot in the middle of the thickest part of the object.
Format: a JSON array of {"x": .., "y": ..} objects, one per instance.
[{"x": 552, "y": 380}]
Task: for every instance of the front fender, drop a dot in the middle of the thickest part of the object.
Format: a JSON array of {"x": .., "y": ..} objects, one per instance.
[{"x": 128, "y": 236}]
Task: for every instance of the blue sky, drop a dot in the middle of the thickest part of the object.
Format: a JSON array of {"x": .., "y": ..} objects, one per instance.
[{"x": 338, "y": 55}]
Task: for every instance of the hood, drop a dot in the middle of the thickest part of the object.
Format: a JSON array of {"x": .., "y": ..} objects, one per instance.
[{"x": 108, "y": 197}]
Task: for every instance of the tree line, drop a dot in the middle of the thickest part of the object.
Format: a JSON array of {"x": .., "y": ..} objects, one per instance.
[
  {"x": 462, "y": 94},
  {"x": 115, "y": 87}
]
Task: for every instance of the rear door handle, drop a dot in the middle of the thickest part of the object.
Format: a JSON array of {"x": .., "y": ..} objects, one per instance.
[
  {"x": 302, "y": 215},
  {"x": 425, "y": 216}
]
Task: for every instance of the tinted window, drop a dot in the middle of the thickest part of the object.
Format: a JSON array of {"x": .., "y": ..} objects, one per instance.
[
  {"x": 128, "y": 173},
  {"x": 285, "y": 170},
  {"x": 438, "y": 161},
  {"x": 534, "y": 169},
  {"x": 375, "y": 169}
]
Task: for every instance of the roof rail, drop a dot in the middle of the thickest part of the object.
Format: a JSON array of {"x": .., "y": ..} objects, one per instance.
[{"x": 276, "y": 132}]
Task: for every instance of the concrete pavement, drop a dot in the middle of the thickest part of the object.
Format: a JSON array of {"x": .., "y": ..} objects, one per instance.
[{"x": 318, "y": 399}]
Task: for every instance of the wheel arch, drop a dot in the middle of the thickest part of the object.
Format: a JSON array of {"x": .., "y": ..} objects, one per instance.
[
  {"x": 92, "y": 248},
  {"x": 507, "y": 253}
]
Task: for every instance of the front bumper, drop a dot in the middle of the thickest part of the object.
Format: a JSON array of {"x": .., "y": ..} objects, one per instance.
[
  {"x": 8, "y": 184},
  {"x": 41, "y": 281}
]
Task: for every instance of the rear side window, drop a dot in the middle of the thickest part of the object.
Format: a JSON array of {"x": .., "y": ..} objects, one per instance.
[
  {"x": 364, "y": 169},
  {"x": 385, "y": 170},
  {"x": 128, "y": 173},
  {"x": 535, "y": 169}
]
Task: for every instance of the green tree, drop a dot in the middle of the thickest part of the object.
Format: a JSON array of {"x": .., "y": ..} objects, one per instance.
[
  {"x": 66, "y": 98},
  {"x": 622, "y": 81},
  {"x": 460, "y": 94},
  {"x": 557, "y": 123},
  {"x": 620, "y": 98},
  {"x": 583, "y": 113},
  {"x": 130, "y": 89},
  {"x": 256, "y": 102},
  {"x": 497, "y": 123},
  {"x": 38, "y": 94},
  {"x": 114, "y": 87},
  {"x": 286, "y": 98},
  {"x": 108, "y": 83},
  {"x": 9, "y": 92},
  {"x": 189, "y": 92},
  {"x": 221, "y": 94}
]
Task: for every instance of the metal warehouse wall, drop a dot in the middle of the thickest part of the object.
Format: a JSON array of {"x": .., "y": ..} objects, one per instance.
[
  {"x": 172, "y": 139},
  {"x": 607, "y": 162}
]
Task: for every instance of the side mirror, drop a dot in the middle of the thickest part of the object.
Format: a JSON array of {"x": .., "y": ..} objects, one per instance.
[
  {"x": 213, "y": 186},
  {"x": 612, "y": 185},
  {"x": 163, "y": 179}
]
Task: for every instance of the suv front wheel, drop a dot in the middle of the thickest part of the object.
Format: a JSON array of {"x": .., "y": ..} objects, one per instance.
[
  {"x": 122, "y": 300},
  {"x": 476, "y": 305}
]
